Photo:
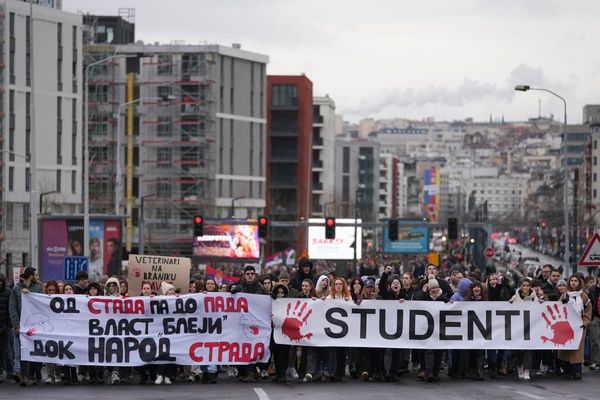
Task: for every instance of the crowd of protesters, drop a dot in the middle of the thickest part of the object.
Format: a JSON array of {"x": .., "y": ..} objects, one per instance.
[{"x": 417, "y": 281}]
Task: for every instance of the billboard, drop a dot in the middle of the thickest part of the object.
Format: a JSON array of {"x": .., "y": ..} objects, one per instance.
[
  {"x": 63, "y": 237},
  {"x": 431, "y": 189},
  {"x": 228, "y": 240},
  {"x": 411, "y": 239},
  {"x": 340, "y": 248}
]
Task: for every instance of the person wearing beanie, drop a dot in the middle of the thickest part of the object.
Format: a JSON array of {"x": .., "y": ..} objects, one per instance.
[
  {"x": 166, "y": 289},
  {"x": 430, "y": 360}
]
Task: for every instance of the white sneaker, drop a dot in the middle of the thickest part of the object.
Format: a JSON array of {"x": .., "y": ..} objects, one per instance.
[
  {"x": 167, "y": 380},
  {"x": 291, "y": 373},
  {"x": 264, "y": 374},
  {"x": 49, "y": 380},
  {"x": 57, "y": 380},
  {"x": 307, "y": 378},
  {"x": 159, "y": 380},
  {"x": 594, "y": 367},
  {"x": 114, "y": 378},
  {"x": 191, "y": 378},
  {"x": 520, "y": 372},
  {"x": 526, "y": 375}
]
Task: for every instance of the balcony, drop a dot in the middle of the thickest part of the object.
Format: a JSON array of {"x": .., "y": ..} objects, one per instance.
[
  {"x": 284, "y": 130},
  {"x": 288, "y": 103},
  {"x": 283, "y": 182},
  {"x": 284, "y": 155},
  {"x": 317, "y": 164},
  {"x": 317, "y": 141},
  {"x": 317, "y": 119},
  {"x": 317, "y": 186}
]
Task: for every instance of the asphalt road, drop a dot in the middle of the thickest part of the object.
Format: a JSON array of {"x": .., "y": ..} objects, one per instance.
[{"x": 544, "y": 388}]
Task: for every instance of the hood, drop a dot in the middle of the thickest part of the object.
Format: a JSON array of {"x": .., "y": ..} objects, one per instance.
[
  {"x": 276, "y": 288},
  {"x": 115, "y": 281},
  {"x": 463, "y": 286},
  {"x": 165, "y": 287},
  {"x": 304, "y": 260},
  {"x": 321, "y": 279}
]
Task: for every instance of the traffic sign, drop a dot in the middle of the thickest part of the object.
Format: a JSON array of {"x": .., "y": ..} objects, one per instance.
[
  {"x": 489, "y": 252},
  {"x": 591, "y": 255},
  {"x": 73, "y": 265}
]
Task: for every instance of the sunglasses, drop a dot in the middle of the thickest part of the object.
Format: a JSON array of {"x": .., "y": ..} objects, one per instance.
[{"x": 249, "y": 273}]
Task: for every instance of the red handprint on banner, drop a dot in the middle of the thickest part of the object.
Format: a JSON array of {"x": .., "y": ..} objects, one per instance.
[
  {"x": 561, "y": 328},
  {"x": 293, "y": 322}
]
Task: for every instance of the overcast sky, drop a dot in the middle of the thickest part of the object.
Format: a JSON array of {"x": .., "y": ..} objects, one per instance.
[{"x": 448, "y": 59}]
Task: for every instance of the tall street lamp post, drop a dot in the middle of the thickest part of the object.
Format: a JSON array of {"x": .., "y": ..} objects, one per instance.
[{"x": 525, "y": 88}]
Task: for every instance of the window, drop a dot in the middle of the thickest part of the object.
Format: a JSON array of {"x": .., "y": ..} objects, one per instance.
[
  {"x": 164, "y": 126},
  {"x": 595, "y": 160},
  {"x": 595, "y": 144},
  {"x": 9, "y": 216},
  {"x": 11, "y": 179},
  {"x": 164, "y": 157},
  {"x": 346, "y": 160},
  {"x": 73, "y": 182},
  {"x": 284, "y": 96},
  {"x": 165, "y": 91},
  {"x": 163, "y": 189},
  {"x": 58, "y": 180},
  {"x": 12, "y": 49},
  {"x": 164, "y": 65},
  {"x": 595, "y": 193},
  {"x": 59, "y": 130},
  {"x": 595, "y": 176},
  {"x": 25, "y": 216},
  {"x": 74, "y": 133},
  {"x": 27, "y": 179}
]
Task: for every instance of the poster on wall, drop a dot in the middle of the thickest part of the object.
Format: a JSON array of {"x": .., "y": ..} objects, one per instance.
[
  {"x": 431, "y": 189},
  {"x": 228, "y": 240},
  {"x": 63, "y": 237}
]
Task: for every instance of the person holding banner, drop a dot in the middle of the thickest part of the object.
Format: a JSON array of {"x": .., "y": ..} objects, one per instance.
[
  {"x": 523, "y": 357},
  {"x": 28, "y": 284},
  {"x": 112, "y": 289},
  {"x": 280, "y": 352},
  {"x": 573, "y": 359},
  {"x": 339, "y": 291},
  {"x": 430, "y": 360},
  {"x": 51, "y": 288},
  {"x": 147, "y": 372},
  {"x": 370, "y": 360},
  {"x": 5, "y": 330},
  {"x": 164, "y": 372}
]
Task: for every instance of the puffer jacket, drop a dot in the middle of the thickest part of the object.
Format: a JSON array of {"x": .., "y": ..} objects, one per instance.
[{"x": 4, "y": 300}]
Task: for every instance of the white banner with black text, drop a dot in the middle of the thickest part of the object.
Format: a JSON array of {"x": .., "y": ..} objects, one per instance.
[
  {"x": 198, "y": 329},
  {"x": 427, "y": 324}
]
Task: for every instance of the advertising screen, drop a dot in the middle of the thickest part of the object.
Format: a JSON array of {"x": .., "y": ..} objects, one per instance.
[
  {"x": 411, "y": 239},
  {"x": 62, "y": 237},
  {"x": 339, "y": 248},
  {"x": 228, "y": 240}
]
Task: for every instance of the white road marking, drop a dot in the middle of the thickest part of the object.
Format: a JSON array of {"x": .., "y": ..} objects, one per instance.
[
  {"x": 531, "y": 396},
  {"x": 262, "y": 395}
]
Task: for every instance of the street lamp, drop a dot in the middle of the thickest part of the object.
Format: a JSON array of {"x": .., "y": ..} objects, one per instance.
[
  {"x": 525, "y": 88},
  {"x": 86, "y": 152}
]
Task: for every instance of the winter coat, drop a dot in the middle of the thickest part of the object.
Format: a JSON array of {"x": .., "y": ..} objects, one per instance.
[
  {"x": 549, "y": 289},
  {"x": 253, "y": 287},
  {"x": 385, "y": 292},
  {"x": 424, "y": 296},
  {"x": 463, "y": 288},
  {"x": 299, "y": 276},
  {"x": 4, "y": 300},
  {"x": 276, "y": 288},
  {"x": 501, "y": 292},
  {"x": 585, "y": 305},
  {"x": 445, "y": 286},
  {"x": 15, "y": 301}
]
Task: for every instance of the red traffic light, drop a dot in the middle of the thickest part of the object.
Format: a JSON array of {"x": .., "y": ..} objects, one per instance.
[
  {"x": 543, "y": 225},
  {"x": 197, "y": 219},
  {"x": 262, "y": 221},
  {"x": 329, "y": 221}
]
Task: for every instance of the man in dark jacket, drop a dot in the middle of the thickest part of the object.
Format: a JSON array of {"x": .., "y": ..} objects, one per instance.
[
  {"x": 5, "y": 328},
  {"x": 29, "y": 284},
  {"x": 249, "y": 284},
  {"x": 305, "y": 271},
  {"x": 549, "y": 286}
]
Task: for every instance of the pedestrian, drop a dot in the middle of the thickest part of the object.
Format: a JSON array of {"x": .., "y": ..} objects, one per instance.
[
  {"x": 51, "y": 289},
  {"x": 164, "y": 372},
  {"x": 594, "y": 295},
  {"x": 573, "y": 359},
  {"x": 5, "y": 327},
  {"x": 25, "y": 371},
  {"x": 147, "y": 372},
  {"x": 81, "y": 282},
  {"x": 523, "y": 357},
  {"x": 280, "y": 352},
  {"x": 305, "y": 271},
  {"x": 68, "y": 373}
]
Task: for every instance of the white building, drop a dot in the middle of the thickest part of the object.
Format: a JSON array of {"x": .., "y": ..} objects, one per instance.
[
  {"x": 41, "y": 103},
  {"x": 505, "y": 194},
  {"x": 323, "y": 157}
]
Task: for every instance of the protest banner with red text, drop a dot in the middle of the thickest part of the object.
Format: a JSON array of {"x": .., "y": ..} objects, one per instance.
[
  {"x": 427, "y": 324},
  {"x": 196, "y": 329}
]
